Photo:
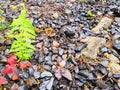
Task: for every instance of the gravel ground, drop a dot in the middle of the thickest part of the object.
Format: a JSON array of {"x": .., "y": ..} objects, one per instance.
[{"x": 75, "y": 51}]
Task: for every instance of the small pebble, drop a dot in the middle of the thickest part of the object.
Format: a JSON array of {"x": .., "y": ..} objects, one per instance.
[
  {"x": 56, "y": 44},
  {"x": 46, "y": 74},
  {"x": 36, "y": 74}
]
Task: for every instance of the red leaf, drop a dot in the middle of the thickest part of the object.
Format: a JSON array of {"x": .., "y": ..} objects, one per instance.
[
  {"x": 24, "y": 64},
  {"x": 11, "y": 59},
  {"x": 2, "y": 80},
  {"x": 8, "y": 69}
]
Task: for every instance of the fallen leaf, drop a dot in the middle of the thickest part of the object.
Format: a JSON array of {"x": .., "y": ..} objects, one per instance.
[
  {"x": 55, "y": 15},
  {"x": 30, "y": 81},
  {"x": 14, "y": 7},
  {"x": 49, "y": 31},
  {"x": 15, "y": 76},
  {"x": 2, "y": 80},
  {"x": 24, "y": 64},
  {"x": 11, "y": 59},
  {"x": 89, "y": 13},
  {"x": 9, "y": 69}
]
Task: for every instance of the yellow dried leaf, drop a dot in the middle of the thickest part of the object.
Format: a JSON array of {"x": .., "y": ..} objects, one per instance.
[
  {"x": 14, "y": 7},
  {"x": 37, "y": 30},
  {"x": 55, "y": 15},
  {"x": 49, "y": 31}
]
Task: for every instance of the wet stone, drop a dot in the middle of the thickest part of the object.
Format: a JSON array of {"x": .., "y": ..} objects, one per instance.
[
  {"x": 48, "y": 58},
  {"x": 73, "y": 61},
  {"x": 41, "y": 58},
  {"x": 50, "y": 84},
  {"x": 104, "y": 63},
  {"x": 103, "y": 70},
  {"x": 78, "y": 54},
  {"x": 25, "y": 75},
  {"x": 80, "y": 47},
  {"x": 49, "y": 62},
  {"x": 113, "y": 31},
  {"x": 46, "y": 74},
  {"x": 68, "y": 31},
  {"x": 70, "y": 51},
  {"x": 76, "y": 69},
  {"x": 79, "y": 83},
  {"x": 82, "y": 67},
  {"x": 36, "y": 74},
  {"x": 61, "y": 51},
  {"x": 8, "y": 42},
  {"x": 55, "y": 50},
  {"x": 53, "y": 57},
  {"x": 84, "y": 73},
  {"x": 116, "y": 41},
  {"x": 90, "y": 76},
  {"x": 3, "y": 57},
  {"x": 30, "y": 69},
  {"x": 116, "y": 75},
  {"x": 46, "y": 51},
  {"x": 46, "y": 42},
  {"x": 71, "y": 20},
  {"x": 34, "y": 11},
  {"x": 46, "y": 67},
  {"x": 21, "y": 88},
  {"x": 117, "y": 19},
  {"x": 104, "y": 49},
  {"x": 43, "y": 85},
  {"x": 35, "y": 67},
  {"x": 118, "y": 84}
]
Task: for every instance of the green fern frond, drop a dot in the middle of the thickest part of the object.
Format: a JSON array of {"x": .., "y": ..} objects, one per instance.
[{"x": 23, "y": 31}]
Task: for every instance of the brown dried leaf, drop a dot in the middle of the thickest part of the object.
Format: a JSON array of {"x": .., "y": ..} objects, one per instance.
[{"x": 15, "y": 77}]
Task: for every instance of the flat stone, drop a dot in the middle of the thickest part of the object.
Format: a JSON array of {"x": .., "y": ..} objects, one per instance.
[
  {"x": 36, "y": 74},
  {"x": 104, "y": 23},
  {"x": 67, "y": 74},
  {"x": 114, "y": 64},
  {"x": 104, "y": 63},
  {"x": 94, "y": 43}
]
